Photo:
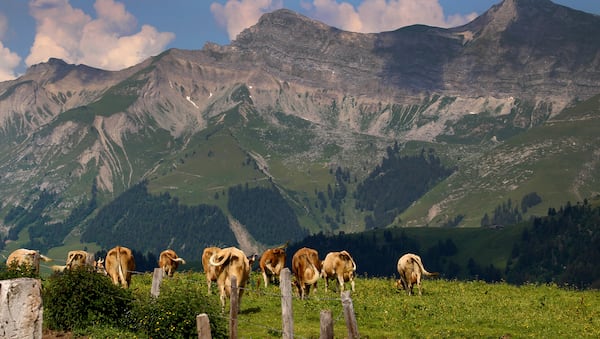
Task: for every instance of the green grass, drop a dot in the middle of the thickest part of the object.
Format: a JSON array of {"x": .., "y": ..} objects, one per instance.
[{"x": 447, "y": 309}]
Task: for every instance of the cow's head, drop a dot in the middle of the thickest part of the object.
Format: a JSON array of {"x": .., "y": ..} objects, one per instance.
[{"x": 99, "y": 266}]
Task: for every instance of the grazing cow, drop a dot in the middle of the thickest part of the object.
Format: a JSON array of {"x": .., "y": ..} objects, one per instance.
[
  {"x": 411, "y": 269},
  {"x": 119, "y": 265},
  {"x": 30, "y": 258},
  {"x": 232, "y": 263},
  {"x": 338, "y": 265},
  {"x": 306, "y": 267},
  {"x": 169, "y": 261},
  {"x": 272, "y": 261},
  {"x": 211, "y": 272},
  {"x": 78, "y": 258}
]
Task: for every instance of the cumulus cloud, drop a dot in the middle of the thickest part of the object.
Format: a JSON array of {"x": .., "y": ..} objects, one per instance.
[
  {"x": 8, "y": 59},
  {"x": 8, "y": 63},
  {"x": 373, "y": 16},
  {"x": 237, "y": 15},
  {"x": 109, "y": 41}
]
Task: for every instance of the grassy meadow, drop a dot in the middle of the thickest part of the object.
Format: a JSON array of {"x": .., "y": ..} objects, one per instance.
[{"x": 447, "y": 309}]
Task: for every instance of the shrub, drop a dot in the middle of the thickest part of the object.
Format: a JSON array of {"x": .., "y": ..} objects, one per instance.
[
  {"x": 14, "y": 270},
  {"x": 80, "y": 298},
  {"x": 173, "y": 313}
]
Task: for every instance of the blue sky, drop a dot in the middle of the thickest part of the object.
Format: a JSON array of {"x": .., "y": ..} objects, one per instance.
[{"x": 114, "y": 34}]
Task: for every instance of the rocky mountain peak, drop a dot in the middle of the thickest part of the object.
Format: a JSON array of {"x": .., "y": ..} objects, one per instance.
[{"x": 281, "y": 24}]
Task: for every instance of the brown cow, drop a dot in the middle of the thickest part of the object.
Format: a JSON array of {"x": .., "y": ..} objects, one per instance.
[
  {"x": 211, "y": 272},
  {"x": 232, "y": 263},
  {"x": 338, "y": 265},
  {"x": 411, "y": 269},
  {"x": 119, "y": 265},
  {"x": 272, "y": 261},
  {"x": 306, "y": 267},
  {"x": 30, "y": 258},
  {"x": 79, "y": 258},
  {"x": 169, "y": 261}
]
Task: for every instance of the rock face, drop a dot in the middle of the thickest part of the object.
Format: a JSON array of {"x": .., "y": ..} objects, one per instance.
[
  {"x": 21, "y": 308},
  {"x": 66, "y": 128}
]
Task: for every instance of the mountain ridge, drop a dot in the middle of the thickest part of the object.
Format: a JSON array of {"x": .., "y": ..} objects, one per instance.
[{"x": 297, "y": 99}]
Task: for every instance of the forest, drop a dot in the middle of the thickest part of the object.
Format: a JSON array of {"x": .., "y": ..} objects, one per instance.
[
  {"x": 152, "y": 223},
  {"x": 562, "y": 247},
  {"x": 396, "y": 183},
  {"x": 265, "y": 213}
]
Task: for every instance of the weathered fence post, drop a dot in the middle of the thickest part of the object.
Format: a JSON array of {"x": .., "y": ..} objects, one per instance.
[
  {"x": 287, "y": 316},
  {"x": 21, "y": 308},
  {"x": 203, "y": 326},
  {"x": 157, "y": 277},
  {"x": 233, "y": 308},
  {"x": 349, "y": 315},
  {"x": 326, "y": 325}
]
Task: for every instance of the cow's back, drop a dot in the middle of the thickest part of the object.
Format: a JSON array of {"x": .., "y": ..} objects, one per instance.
[
  {"x": 23, "y": 256},
  {"x": 120, "y": 256}
]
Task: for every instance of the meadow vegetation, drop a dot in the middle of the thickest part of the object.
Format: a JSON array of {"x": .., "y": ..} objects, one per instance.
[{"x": 447, "y": 308}]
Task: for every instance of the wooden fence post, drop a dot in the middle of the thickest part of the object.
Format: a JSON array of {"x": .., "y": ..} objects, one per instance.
[
  {"x": 287, "y": 316},
  {"x": 349, "y": 315},
  {"x": 326, "y": 325},
  {"x": 203, "y": 326},
  {"x": 157, "y": 277},
  {"x": 233, "y": 308}
]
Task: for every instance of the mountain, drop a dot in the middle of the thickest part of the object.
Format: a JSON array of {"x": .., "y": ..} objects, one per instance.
[{"x": 307, "y": 112}]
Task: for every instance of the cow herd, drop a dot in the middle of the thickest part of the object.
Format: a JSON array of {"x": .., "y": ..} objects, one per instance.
[{"x": 221, "y": 264}]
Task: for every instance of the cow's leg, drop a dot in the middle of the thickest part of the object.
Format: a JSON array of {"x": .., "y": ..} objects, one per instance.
[
  {"x": 222, "y": 297},
  {"x": 265, "y": 278},
  {"x": 240, "y": 293},
  {"x": 115, "y": 278},
  {"x": 352, "y": 282},
  {"x": 340, "y": 279},
  {"x": 208, "y": 283}
]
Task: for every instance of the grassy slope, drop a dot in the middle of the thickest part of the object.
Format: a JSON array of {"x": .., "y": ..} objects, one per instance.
[
  {"x": 452, "y": 309},
  {"x": 556, "y": 160}
]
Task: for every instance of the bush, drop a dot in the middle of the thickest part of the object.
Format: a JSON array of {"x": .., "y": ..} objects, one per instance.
[
  {"x": 173, "y": 313},
  {"x": 15, "y": 270},
  {"x": 80, "y": 298}
]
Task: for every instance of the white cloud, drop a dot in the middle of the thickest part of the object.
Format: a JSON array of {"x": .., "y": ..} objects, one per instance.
[
  {"x": 237, "y": 15},
  {"x": 8, "y": 63},
  {"x": 8, "y": 59},
  {"x": 373, "y": 16},
  {"x": 109, "y": 41}
]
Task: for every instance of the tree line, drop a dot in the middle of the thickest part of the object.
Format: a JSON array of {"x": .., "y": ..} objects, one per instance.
[
  {"x": 396, "y": 183},
  {"x": 152, "y": 223},
  {"x": 562, "y": 247},
  {"x": 265, "y": 213}
]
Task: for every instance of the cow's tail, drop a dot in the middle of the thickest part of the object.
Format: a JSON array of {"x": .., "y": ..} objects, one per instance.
[
  {"x": 316, "y": 273},
  {"x": 120, "y": 266},
  {"x": 216, "y": 262},
  {"x": 422, "y": 268},
  {"x": 45, "y": 258},
  {"x": 353, "y": 263},
  {"x": 179, "y": 260}
]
